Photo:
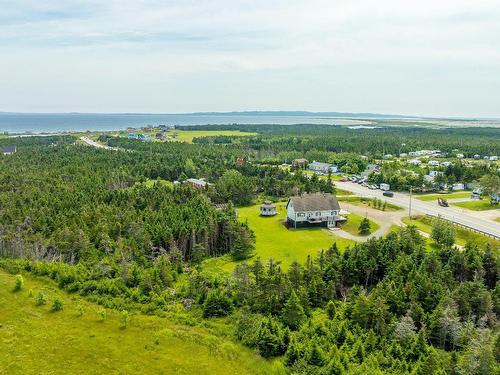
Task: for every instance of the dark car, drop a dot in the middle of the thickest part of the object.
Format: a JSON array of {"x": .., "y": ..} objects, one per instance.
[{"x": 388, "y": 194}]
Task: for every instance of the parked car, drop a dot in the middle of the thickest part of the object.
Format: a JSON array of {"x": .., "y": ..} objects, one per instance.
[
  {"x": 373, "y": 187},
  {"x": 388, "y": 194}
]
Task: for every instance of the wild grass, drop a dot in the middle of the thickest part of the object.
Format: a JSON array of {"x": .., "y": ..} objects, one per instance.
[{"x": 76, "y": 340}]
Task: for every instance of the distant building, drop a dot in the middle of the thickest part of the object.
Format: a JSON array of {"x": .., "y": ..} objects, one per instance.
[
  {"x": 460, "y": 156},
  {"x": 323, "y": 167},
  {"x": 477, "y": 156},
  {"x": 414, "y": 162},
  {"x": 267, "y": 208},
  {"x": 493, "y": 158},
  {"x": 435, "y": 173},
  {"x": 458, "y": 186},
  {"x": 160, "y": 136},
  {"x": 299, "y": 163},
  {"x": 9, "y": 150},
  {"x": 197, "y": 183},
  {"x": 132, "y": 136},
  {"x": 446, "y": 164},
  {"x": 433, "y": 163},
  {"x": 317, "y": 209}
]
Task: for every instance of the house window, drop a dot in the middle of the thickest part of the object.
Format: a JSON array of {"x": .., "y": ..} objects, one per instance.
[
  {"x": 318, "y": 213},
  {"x": 300, "y": 215}
]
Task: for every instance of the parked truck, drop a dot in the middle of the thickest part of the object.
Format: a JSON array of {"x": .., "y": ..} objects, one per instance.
[{"x": 385, "y": 187}]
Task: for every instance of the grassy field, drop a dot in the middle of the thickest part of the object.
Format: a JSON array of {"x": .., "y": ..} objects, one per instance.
[
  {"x": 476, "y": 205},
  {"x": 367, "y": 202},
  {"x": 424, "y": 223},
  {"x": 188, "y": 135},
  {"x": 272, "y": 239},
  {"x": 352, "y": 224},
  {"x": 433, "y": 197},
  {"x": 343, "y": 192},
  {"x": 34, "y": 340}
]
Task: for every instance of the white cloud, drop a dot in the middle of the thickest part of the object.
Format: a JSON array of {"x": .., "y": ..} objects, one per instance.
[{"x": 161, "y": 47}]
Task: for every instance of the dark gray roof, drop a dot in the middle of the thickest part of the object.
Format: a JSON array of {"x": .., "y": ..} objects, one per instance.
[
  {"x": 10, "y": 148},
  {"x": 315, "y": 202}
]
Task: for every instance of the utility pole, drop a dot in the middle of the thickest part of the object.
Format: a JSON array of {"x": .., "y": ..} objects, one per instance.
[{"x": 409, "y": 207}]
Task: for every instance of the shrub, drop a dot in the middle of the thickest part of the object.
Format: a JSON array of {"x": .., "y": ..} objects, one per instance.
[
  {"x": 18, "y": 283},
  {"x": 364, "y": 227},
  {"x": 79, "y": 310},
  {"x": 40, "y": 299},
  {"x": 57, "y": 305},
  {"x": 124, "y": 319},
  {"x": 102, "y": 314},
  {"x": 216, "y": 304}
]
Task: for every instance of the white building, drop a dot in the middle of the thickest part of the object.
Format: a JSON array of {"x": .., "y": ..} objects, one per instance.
[
  {"x": 317, "y": 209},
  {"x": 460, "y": 156},
  {"x": 433, "y": 163},
  {"x": 323, "y": 167},
  {"x": 414, "y": 162}
]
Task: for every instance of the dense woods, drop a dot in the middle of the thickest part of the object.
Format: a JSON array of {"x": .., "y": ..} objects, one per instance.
[{"x": 113, "y": 226}]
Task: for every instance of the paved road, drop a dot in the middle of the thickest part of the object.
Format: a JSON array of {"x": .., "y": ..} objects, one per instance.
[
  {"x": 454, "y": 214},
  {"x": 95, "y": 144}
]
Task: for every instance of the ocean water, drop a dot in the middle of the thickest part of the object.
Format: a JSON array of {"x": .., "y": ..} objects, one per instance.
[{"x": 68, "y": 122}]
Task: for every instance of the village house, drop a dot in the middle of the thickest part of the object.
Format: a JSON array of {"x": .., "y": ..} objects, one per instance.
[
  {"x": 317, "y": 209},
  {"x": 323, "y": 167},
  {"x": 197, "y": 183},
  {"x": 299, "y": 163},
  {"x": 9, "y": 150}
]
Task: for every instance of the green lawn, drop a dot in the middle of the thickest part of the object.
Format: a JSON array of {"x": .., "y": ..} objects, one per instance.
[
  {"x": 433, "y": 197},
  {"x": 150, "y": 182},
  {"x": 477, "y": 205},
  {"x": 34, "y": 340},
  {"x": 343, "y": 192},
  {"x": 352, "y": 224},
  {"x": 272, "y": 239},
  {"x": 368, "y": 202},
  {"x": 424, "y": 223}
]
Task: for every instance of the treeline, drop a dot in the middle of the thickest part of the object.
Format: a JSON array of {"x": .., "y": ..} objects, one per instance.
[{"x": 371, "y": 142}]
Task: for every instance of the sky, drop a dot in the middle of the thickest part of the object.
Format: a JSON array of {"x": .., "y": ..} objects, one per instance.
[{"x": 428, "y": 58}]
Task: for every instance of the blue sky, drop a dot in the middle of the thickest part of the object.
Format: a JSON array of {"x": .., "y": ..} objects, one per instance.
[{"x": 389, "y": 56}]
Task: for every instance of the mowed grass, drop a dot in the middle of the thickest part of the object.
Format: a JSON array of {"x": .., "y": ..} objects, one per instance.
[
  {"x": 477, "y": 205},
  {"x": 34, "y": 340},
  {"x": 424, "y": 223},
  {"x": 273, "y": 240},
  {"x": 368, "y": 202},
  {"x": 352, "y": 224},
  {"x": 433, "y": 197},
  {"x": 188, "y": 135}
]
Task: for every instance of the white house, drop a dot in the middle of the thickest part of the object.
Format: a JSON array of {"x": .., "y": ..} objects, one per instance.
[
  {"x": 433, "y": 163},
  {"x": 460, "y": 156},
  {"x": 323, "y": 167},
  {"x": 435, "y": 173},
  {"x": 446, "y": 164},
  {"x": 458, "y": 186},
  {"x": 414, "y": 162},
  {"x": 317, "y": 209},
  {"x": 493, "y": 158}
]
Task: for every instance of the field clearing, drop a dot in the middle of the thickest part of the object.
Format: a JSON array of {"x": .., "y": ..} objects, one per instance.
[
  {"x": 352, "y": 224},
  {"x": 273, "y": 240},
  {"x": 433, "y": 197},
  {"x": 424, "y": 223},
  {"x": 477, "y": 205},
  {"x": 188, "y": 135},
  {"x": 34, "y": 340}
]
